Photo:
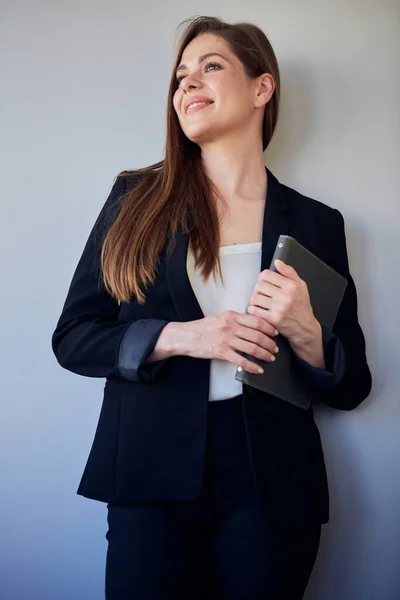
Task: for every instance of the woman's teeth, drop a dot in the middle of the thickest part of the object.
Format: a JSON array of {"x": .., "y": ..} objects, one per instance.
[{"x": 195, "y": 105}]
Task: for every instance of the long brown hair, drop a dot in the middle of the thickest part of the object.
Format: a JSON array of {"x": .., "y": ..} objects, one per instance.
[{"x": 157, "y": 205}]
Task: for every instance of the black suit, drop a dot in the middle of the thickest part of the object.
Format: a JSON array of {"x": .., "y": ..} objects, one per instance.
[{"x": 150, "y": 439}]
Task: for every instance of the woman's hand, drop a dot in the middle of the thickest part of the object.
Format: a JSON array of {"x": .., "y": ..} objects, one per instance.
[
  {"x": 282, "y": 299},
  {"x": 218, "y": 337}
]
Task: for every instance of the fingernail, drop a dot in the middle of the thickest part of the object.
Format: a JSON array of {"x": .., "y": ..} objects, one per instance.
[
  {"x": 272, "y": 358},
  {"x": 260, "y": 370},
  {"x": 276, "y": 332},
  {"x": 276, "y": 350}
]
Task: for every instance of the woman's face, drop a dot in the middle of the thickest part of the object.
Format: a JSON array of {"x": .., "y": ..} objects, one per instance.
[{"x": 229, "y": 94}]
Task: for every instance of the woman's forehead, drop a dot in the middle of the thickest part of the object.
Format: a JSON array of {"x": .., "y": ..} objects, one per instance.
[{"x": 202, "y": 44}]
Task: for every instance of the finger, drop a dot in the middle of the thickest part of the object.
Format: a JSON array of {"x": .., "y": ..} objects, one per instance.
[
  {"x": 254, "y": 350},
  {"x": 243, "y": 363},
  {"x": 264, "y": 314},
  {"x": 271, "y": 277},
  {"x": 257, "y": 337},
  {"x": 286, "y": 270},
  {"x": 262, "y": 301},
  {"x": 268, "y": 289},
  {"x": 260, "y": 324}
]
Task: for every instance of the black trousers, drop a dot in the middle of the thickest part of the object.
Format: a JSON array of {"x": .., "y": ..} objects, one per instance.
[{"x": 216, "y": 547}]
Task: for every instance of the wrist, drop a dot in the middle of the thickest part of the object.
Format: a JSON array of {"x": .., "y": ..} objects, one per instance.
[
  {"x": 169, "y": 343},
  {"x": 310, "y": 347}
]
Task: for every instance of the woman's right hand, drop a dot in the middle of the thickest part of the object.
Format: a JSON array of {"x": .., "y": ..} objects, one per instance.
[{"x": 218, "y": 337}]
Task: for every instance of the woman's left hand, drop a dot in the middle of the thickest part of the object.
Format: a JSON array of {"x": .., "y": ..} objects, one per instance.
[{"x": 282, "y": 299}]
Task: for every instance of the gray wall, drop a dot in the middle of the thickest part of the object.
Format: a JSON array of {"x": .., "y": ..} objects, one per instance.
[{"x": 83, "y": 96}]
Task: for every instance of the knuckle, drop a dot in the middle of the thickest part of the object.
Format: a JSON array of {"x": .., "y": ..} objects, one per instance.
[
  {"x": 230, "y": 316},
  {"x": 225, "y": 317},
  {"x": 257, "y": 351},
  {"x": 243, "y": 362},
  {"x": 259, "y": 337},
  {"x": 259, "y": 322},
  {"x": 225, "y": 322}
]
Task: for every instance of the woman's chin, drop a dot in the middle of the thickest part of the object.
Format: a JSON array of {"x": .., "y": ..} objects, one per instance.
[{"x": 200, "y": 135}]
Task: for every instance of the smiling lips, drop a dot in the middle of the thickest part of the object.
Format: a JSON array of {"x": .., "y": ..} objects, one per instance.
[{"x": 195, "y": 106}]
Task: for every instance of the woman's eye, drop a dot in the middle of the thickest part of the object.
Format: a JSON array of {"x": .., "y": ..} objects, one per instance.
[
  {"x": 206, "y": 66},
  {"x": 211, "y": 64}
]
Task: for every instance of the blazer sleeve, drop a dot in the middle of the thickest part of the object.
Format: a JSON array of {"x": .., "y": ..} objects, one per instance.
[
  {"x": 88, "y": 339},
  {"x": 346, "y": 381}
]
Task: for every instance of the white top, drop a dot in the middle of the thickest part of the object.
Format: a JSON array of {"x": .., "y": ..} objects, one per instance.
[{"x": 240, "y": 264}]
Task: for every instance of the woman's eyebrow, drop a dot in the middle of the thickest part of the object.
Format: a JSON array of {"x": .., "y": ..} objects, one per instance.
[{"x": 201, "y": 58}]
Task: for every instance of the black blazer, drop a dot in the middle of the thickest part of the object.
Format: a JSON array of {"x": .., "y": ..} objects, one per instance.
[{"x": 150, "y": 439}]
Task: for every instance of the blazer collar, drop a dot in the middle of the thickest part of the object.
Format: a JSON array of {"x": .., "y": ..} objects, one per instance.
[{"x": 275, "y": 223}]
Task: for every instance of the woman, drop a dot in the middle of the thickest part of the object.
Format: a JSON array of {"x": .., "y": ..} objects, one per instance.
[{"x": 214, "y": 489}]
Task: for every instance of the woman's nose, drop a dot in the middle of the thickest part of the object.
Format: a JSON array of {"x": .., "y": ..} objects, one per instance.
[{"x": 190, "y": 82}]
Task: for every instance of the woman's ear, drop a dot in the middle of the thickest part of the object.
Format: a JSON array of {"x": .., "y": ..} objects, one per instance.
[{"x": 265, "y": 89}]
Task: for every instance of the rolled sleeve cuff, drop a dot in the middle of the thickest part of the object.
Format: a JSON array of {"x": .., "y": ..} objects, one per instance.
[
  {"x": 136, "y": 346},
  {"x": 334, "y": 362}
]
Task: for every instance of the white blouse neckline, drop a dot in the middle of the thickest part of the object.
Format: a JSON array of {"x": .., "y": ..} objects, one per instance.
[{"x": 249, "y": 248}]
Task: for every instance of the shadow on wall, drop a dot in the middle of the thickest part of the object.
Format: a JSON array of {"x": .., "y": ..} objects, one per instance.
[
  {"x": 300, "y": 108},
  {"x": 297, "y": 116},
  {"x": 349, "y": 507}
]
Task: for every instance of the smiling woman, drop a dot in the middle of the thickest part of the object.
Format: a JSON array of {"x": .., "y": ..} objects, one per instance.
[
  {"x": 242, "y": 86},
  {"x": 234, "y": 98},
  {"x": 214, "y": 489}
]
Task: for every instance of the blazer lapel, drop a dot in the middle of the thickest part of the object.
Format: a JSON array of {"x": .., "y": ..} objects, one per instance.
[
  {"x": 182, "y": 294},
  {"x": 276, "y": 219},
  {"x": 275, "y": 223}
]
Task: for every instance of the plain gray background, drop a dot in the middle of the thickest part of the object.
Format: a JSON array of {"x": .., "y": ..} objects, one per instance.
[{"x": 83, "y": 95}]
